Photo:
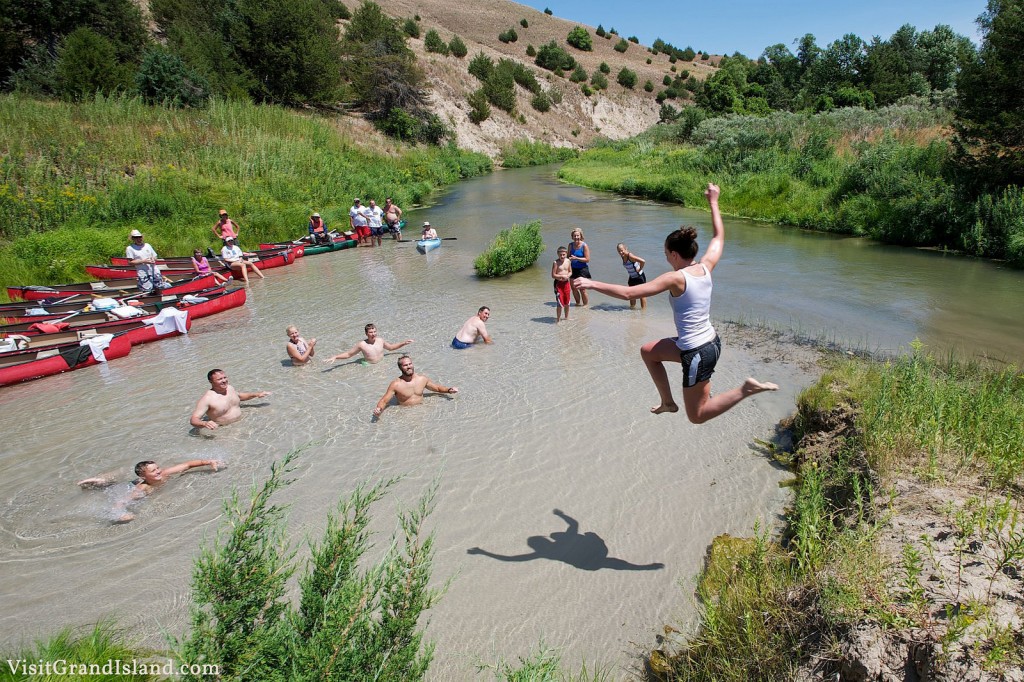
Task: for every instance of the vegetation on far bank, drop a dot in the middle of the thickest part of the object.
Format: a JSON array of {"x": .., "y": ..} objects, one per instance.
[
  {"x": 512, "y": 250},
  {"x": 76, "y": 178},
  {"x": 769, "y": 609}
]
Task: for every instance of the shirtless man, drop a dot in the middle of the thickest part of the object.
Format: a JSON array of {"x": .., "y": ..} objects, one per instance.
[
  {"x": 409, "y": 387},
  {"x": 220, "y": 404},
  {"x": 473, "y": 329},
  {"x": 372, "y": 348},
  {"x": 299, "y": 350},
  {"x": 150, "y": 477},
  {"x": 392, "y": 216}
]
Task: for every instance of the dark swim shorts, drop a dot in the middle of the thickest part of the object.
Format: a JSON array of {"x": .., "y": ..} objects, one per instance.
[
  {"x": 580, "y": 272},
  {"x": 699, "y": 363},
  {"x": 634, "y": 281},
  {"x": 460, "y": 345}
]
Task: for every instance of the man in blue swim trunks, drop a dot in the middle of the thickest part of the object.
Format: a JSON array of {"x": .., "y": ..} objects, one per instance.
[{"x": 473, "y": 329}]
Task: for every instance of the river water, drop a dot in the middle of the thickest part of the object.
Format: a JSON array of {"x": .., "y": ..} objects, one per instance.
[{"x": 551, "y": 417}]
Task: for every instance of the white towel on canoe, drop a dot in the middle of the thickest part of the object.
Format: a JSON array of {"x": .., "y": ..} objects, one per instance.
[
  {"x": 97, "y": 344},
  {"x": 169, "y": 320},
  {"x": 126, "y": 312}
]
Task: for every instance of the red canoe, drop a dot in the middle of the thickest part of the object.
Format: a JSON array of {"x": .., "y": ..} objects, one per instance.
[
  {"x": 116, "y": 287},
  {"x": 186, "y": 261},
  {"x": 137, "y": 331},
  {"x": 116, "y": 271},
  {"x": 61, "y": 307},
  {"x": 218, "y": 299},
  {"x": 33, "y": 363}
]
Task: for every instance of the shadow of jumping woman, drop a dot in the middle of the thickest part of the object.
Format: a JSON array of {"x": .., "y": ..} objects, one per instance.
[{"x": 587, "y": 552}]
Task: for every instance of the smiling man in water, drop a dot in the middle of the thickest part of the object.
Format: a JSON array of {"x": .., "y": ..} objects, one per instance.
[
  {"x": 221, "y": 404},
  {"x": 409, "y": 387}
]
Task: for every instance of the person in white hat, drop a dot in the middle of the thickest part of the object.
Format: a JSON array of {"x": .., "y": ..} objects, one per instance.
[
  {"x": 428, "y": 231},
  {"x": 144, "y": 258},
  {"x": 237, "y": 261}
]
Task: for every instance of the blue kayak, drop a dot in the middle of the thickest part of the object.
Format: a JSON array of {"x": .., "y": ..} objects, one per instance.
[{"x": 426, "y": 245}]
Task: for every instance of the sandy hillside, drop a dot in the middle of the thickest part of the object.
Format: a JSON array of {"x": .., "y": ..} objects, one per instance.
[{"x": 615, "y": 113}]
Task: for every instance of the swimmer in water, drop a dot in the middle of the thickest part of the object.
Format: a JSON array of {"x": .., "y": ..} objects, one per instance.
[
  {"x": 409, "y": 387},
  {"x": 372, "y": 347},
  {"x": 150, "y": 477},
  {"x": 221, "y": 404}
]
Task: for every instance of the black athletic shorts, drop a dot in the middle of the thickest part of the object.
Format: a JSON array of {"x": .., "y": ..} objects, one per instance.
[
  {"x": 699, "y": 363},
  {"x": 633, "y": 281},
  {"x": 580, "y": 272}
]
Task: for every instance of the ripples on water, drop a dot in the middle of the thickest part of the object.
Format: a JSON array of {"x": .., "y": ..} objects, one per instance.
[{"x": 548, "y": 417}]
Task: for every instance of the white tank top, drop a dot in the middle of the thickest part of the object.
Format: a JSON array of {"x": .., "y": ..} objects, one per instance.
[{"x": 692, "y": 311}]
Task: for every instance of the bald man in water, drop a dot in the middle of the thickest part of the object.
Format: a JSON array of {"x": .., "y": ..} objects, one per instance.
[{"x": 221, "y": 404}]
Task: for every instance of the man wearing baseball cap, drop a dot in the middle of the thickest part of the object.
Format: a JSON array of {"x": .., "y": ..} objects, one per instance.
[
  {"x": 144, "y": 258},
  {"x": 225, "y": 227},
  {"x": 357, "y": 219},
  {"x": 428, "y": 231}
]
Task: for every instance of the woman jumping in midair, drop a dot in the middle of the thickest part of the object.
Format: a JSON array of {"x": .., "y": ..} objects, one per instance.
[{"x": 697, "y": 346}]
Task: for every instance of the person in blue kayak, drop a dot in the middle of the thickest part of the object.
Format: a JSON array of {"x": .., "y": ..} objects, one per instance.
[{"x": 428, "y": 232}]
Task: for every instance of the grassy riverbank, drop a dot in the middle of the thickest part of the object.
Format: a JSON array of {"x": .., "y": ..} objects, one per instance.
[
  {"x": 905, "y": 543},
  {"x": 886, "y": 174},
  {"x": 76, "y": 178}
]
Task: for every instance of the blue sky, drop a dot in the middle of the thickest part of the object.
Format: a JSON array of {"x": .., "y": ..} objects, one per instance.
[{"x": 748, "y": 26}]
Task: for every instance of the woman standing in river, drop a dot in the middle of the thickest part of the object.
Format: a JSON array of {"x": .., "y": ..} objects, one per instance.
[
  {"x": 697, "y": 346},
  {"x": 579, "y": 259}
]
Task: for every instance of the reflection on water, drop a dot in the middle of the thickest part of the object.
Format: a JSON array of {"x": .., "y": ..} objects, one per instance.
[{"x": 549, "y": 417}]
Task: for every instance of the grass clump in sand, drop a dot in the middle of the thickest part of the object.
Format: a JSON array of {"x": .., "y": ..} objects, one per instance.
[
  {"x": 904, "y": 545},
  {"x": 512, "y": 250},
  {"x": 83, "y": 656}
]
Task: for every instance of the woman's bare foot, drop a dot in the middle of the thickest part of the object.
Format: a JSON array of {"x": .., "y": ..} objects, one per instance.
[
  {"x": 664, "y": 407},
  {"x": 752, "y": 386}
]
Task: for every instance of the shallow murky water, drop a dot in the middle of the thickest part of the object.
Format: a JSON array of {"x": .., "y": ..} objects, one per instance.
[{"x": 548, "y": 418}]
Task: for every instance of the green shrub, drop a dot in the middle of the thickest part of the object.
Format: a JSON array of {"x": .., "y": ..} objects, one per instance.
[
  {"x": 531, "y": 51},
  {"x": 163, "y": 78},
  {"x": 411, "y": 28},
  {"x": 524, "y": 23},
  {"x": 604, "y": 68},
  {"x": 558, "y": 73},
  {"x": 579, "y": 74},
  {"x": 541, "y": 102},
  {"x": 481, "y": 66},
  {"x": 500, "y": 89},
  {"x": 599, "y": 81},
  {"x": 626, "y": 78},
  {"x": 600, "y": 31},
  {"x": 87, "y": 64},
  {"x": 552, "y": 57},
  {"x": 672, "y": 59},
  {"x": 520, "y": 74},
  {"x": 621, "y": 46},
  {"x": 509, "y": 36},
  {"x": 705, "y": 57},
  {"x": 648, "y": 60},
  {"x": 432, "y": 43},
  {"x": 547, "y": 11},
  {"x": 512, "y": 250},
  {"x": 667, "y": 80},
  {"x": 353, "y": 620},
  {"x": 480, "y": 108},
  {"x": 457, "y": 47},
  {"x": 342, "y": 11},
  {"x": 585, "y": 89},
  {"x": 580, "y": 38},
  {"x": 633, "y": 39},
  {"x": 648, "y": 86},
  {"x": 667, "y": 114}
]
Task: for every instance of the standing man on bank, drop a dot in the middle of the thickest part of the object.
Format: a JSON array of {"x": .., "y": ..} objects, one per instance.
[{"x": 144, "y": 258}]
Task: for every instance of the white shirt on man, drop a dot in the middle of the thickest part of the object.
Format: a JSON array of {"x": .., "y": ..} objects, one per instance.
[
  {"x": 144, "y": 251},
  {"x": 358, "y": 215}
]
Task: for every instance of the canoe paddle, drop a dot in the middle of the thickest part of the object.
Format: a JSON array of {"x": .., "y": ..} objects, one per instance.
[{"x": 444, "y": 239}]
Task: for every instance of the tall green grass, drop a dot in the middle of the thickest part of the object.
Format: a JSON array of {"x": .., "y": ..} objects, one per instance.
[
  {"x": 97, "y": 647},
  {"x": 767, "y": 607},
  {"x": 521, "y": 154},
  {"x": 887, "y": 174},
  {"x": 76, "y": 178}
]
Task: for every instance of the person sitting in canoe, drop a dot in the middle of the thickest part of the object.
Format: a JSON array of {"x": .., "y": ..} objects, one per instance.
[
  {"x": 318, "y": 233},
  {"x": 202, "y": 267},
  {"x": 221, "y": 404},
  {"x": 428, "y": 232},
  {"x": 150, "y": 477},
  {"x": 237, "y": 261}
]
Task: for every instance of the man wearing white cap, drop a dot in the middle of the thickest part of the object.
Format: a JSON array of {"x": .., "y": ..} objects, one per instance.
[
  {"x": 428, "y": 231},
  {"x": 357, "y": 219},
  {"x": 143, "y": 257}
]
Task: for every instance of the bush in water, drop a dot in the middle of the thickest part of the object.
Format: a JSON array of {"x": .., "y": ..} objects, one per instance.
[{"x": 514, "y": 249}]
